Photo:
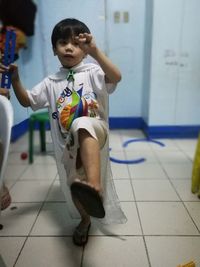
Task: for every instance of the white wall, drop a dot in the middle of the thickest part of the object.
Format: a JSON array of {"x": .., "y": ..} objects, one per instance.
[{"x": 126, "y": 47}]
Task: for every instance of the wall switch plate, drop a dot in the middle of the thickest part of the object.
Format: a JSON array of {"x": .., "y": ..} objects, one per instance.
[
  {"x": 116, "y": 17},
  {"x": 126, "y": 16}
]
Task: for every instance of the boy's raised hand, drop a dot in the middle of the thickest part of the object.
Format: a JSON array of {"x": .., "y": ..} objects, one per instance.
[
  {"x": 12, "y": 68},
  {"x": 86, "y": 43}
]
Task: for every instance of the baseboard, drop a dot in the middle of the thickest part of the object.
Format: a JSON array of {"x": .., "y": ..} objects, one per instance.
[
  {"x": 126, "y": 123},
  {"x": 172, "y": 131},
  {"x": 169, "y": 131},
  {"x": 19, "y": 129}
]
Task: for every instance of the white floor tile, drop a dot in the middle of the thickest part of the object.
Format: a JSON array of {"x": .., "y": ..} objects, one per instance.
[
  {"x": 50, "y": 252},
  {"x": 183, "y": 187},
  {"x": 124, "y": 190},
  {"x": 131, "y": 134},
  {"x": 117, "y": 155},
  {"x": 15, "y": 158},
  {"x": 190, "y": 154},
  {"x": 148, "y": 156},
  {"x": 115, "y": 143},
  {"x": 172, "y": 157},
  {"x": 140, "y": 144},
  {"x": 44, "y": 159},
  {"x": 131, "y": 227},
  {"x": 10, "y": 248},
  {"x": 40, "y": 172},
  {"x": 55, "y": 192},
  {"x": 186, "y": 144},
  {"x": 111, "y": 251},
  {"x": 172, "y": 251},
  {"x": 167, "y": 145},
  {"x": 54, "y": 220},
  {"x": 178, "y": 170},
  {"x": 165, "y": 218},
  {"x": 154, "y": 190},
  {"x": 30, "y": 191},
  {"x": 119, "y": 171},
  {"x": 15, "y": 171},
  {"x": 194, "y": 210},
  {"x": 146, "y": 171},
  {"x": 19, "y": 221}
]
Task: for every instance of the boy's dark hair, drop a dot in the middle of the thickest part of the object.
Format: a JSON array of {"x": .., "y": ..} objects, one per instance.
[{"x": 66, "y": 29}]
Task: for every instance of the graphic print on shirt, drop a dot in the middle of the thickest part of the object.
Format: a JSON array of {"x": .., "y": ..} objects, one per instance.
[{"x": 72, "y": 104}]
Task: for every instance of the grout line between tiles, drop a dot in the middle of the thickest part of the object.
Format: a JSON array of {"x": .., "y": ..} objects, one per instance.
[
  {"x": 191, "y": 217},
  {"x": 28, "y": 235},
  {"x": 102, "y": 236},
  {"x": 140, "y": 221},
  {"x": 20, "y": 251}
]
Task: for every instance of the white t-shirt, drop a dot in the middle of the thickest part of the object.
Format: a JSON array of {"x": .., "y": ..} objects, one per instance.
[{"x": 53, "y": 90}]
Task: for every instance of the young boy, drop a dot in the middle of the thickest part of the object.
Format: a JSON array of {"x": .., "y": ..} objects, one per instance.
[{"x": 77, "y": 99}]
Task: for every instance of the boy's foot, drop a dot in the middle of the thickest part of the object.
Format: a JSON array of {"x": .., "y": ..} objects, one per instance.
[
  {"x": 5, "y": 198},
  {"x": 80, "y": 236},
  {"x": 89, "y": 198}
]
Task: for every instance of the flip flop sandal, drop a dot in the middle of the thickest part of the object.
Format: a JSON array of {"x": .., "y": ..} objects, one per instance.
[
  {"x": 5, "y": 199},
  {"x": 89, "y": 198},
  {"x": 80, "y": 236}
]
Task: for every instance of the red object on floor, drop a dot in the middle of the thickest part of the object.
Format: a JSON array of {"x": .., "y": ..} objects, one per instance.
[{"x": 24, "y": 155}]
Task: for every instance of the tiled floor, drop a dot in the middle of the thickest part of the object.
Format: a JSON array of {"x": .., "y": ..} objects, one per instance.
[{"x": 163, "y": 228}]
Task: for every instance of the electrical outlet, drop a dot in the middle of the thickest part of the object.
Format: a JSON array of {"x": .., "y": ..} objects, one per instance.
[
  {"x": 126, "y": 16},
  {"x": 116, "y": 17}
]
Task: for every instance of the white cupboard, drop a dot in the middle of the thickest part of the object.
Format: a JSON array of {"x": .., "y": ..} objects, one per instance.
[{"x": 174, "y": 77}]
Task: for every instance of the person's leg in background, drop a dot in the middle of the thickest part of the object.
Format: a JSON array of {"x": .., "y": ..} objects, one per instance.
[{"x": 4, "y": 194}]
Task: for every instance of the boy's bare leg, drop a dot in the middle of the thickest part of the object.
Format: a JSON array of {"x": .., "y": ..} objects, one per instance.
[
  {"x": 80, "y": 235},
  {"x": 90, "y": 157}
]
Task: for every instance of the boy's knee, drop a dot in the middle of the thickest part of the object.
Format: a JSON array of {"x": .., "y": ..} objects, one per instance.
[{"x": 83, "y": 133}]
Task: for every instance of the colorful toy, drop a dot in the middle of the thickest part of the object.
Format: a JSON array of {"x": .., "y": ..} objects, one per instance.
[{"x": 8, "y": 56}]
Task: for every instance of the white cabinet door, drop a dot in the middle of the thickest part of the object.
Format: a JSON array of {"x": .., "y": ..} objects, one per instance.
[
  {"x": 175, "y": 66},
  {"x": 166, "y": 29},
  {"x": 188, "y": 93}
]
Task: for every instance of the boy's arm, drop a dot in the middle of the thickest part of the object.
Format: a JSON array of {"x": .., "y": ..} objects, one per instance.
[
  {"x": 19, "y": 90},
  {"x": 87, "y": 44},
  {"x": 112, "y": 73}
]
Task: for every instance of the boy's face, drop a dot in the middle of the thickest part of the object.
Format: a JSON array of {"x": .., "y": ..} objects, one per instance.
[{"x": 68, "y": 52}]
